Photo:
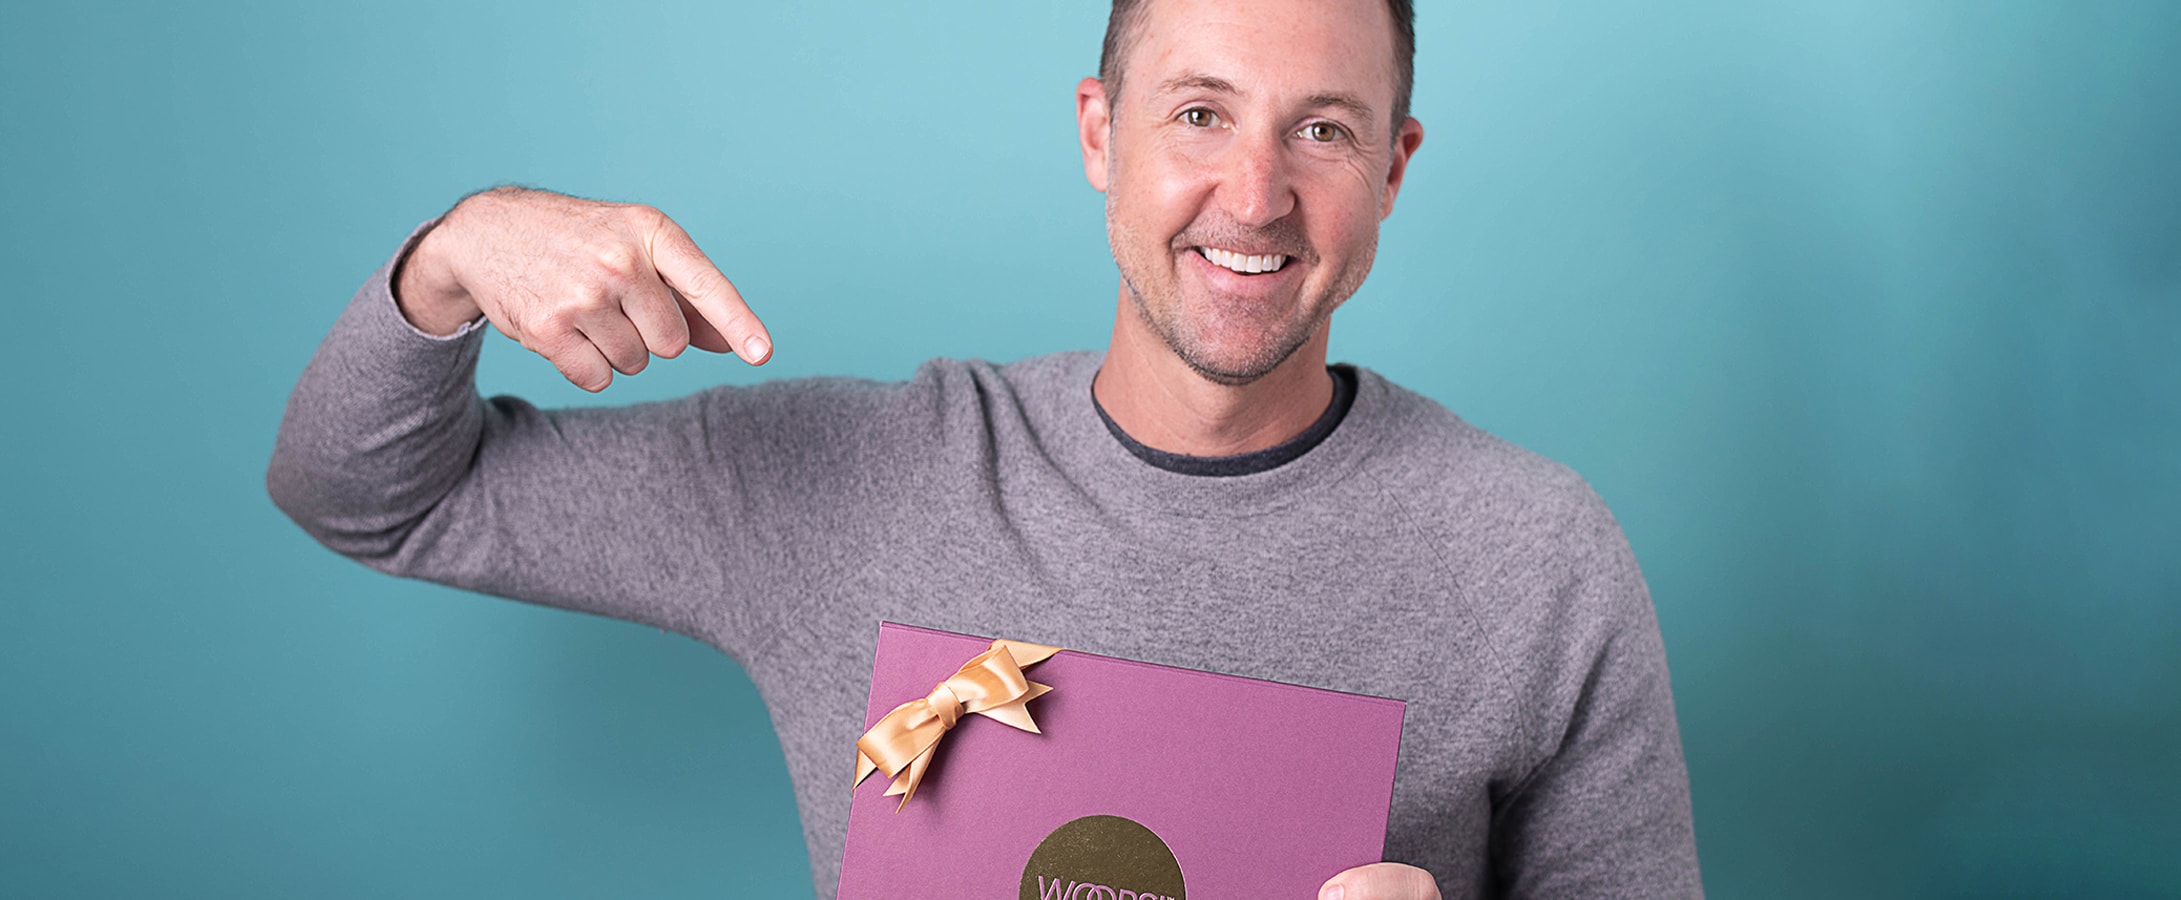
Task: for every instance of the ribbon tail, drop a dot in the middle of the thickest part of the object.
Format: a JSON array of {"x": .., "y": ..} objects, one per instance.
[
  {"x": 864, "y": 768},
  {"x": 1026, "y": 655},
  {"x": 906, "y": 782},
  {"x": 1016, "y": 712}
]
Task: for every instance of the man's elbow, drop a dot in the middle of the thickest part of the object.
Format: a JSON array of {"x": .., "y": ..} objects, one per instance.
[{"x": 306, "y": 501}]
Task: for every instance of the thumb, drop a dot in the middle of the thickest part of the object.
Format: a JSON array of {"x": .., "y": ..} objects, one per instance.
[{"x": 1381, "y": 881}]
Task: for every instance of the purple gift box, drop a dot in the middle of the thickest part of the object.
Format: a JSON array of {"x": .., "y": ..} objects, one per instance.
[{"x": 1147, "y": 782}]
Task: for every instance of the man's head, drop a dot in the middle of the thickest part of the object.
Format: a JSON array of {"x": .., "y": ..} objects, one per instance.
[{"x": 1246, "y": 165}]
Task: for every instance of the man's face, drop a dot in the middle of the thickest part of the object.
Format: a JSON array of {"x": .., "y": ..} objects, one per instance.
[{"x": 1247, "y": 164}]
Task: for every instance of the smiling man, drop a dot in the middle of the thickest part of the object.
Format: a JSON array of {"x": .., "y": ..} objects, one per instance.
[
  {"x": 1247, "y": 157},
  {"x": 1207, "y": 492}
]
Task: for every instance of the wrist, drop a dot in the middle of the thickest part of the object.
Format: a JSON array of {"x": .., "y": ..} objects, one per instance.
[{"x": 426, "y": 289}]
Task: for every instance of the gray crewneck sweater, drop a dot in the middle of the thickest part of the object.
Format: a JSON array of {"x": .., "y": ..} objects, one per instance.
[{"x": 1408, "y": 555}]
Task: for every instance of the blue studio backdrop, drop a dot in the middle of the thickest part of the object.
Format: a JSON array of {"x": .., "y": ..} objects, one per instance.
[{"x": 1862, "y": 314}]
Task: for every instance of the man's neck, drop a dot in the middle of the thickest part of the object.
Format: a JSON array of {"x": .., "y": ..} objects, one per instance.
[{"x": 1164, "y": 404}]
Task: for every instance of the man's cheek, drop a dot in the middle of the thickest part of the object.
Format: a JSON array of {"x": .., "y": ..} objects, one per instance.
[{"x": 1177, "y": 188}]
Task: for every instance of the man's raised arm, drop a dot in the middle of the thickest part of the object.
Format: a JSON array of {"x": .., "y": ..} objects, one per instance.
[{"x": 388, "y": 455}]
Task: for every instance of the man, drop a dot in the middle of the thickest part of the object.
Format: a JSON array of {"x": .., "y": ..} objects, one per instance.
[{"x": 1207, "y": 493}]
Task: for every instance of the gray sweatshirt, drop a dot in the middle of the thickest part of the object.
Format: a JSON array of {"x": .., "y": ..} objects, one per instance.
[{"x": 1407, "y": 555}]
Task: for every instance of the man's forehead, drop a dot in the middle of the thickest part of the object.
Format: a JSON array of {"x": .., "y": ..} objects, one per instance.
[{"x": 1326, "y": 52}]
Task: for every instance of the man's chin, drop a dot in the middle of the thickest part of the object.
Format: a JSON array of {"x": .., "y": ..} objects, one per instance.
[
  {"x": 1236, "y": 366},
  {"x": 1227, "y": 377},
  {"x": 1224, "y": 341}
]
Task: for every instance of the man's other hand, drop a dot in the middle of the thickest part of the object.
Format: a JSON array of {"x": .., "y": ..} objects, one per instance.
[
  {"x": 1381, "y": 881},
  {"x": 594, "y": 287}
]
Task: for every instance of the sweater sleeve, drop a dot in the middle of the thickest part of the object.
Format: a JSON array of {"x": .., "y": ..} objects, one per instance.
[
  {"x": 387, "y": 454},
  {"x": 1606, "y": 812}
]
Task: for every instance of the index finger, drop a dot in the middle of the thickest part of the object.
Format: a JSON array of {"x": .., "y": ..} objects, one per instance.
[{"x": 685, "y": 268}]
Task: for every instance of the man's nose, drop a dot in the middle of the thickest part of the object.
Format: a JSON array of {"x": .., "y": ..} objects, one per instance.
[{"x": 1256, "y": 187}]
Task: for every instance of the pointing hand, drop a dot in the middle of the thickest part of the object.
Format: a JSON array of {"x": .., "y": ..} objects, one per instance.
[{"x": 594, "y": 287}]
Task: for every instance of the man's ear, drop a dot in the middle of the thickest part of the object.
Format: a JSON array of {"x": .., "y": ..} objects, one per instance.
[
  {"x": 1405, "y": 142},
  {"x": 1094, "y": 129}
]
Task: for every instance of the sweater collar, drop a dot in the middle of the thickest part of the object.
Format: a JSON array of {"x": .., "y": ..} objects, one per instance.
[{"x": 1076, "y": 438}]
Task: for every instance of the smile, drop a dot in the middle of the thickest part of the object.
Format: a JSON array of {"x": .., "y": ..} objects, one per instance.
[{"x": 1245, "y": 264}]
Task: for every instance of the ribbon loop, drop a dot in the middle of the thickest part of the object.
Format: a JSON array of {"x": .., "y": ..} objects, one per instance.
[{"x": 991, "y": 685}]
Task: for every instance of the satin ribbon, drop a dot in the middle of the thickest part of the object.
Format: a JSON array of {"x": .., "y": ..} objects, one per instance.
[{"x": 991, "y": 685}]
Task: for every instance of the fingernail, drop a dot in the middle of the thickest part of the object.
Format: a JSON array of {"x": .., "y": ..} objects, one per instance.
[
  {"x": 755, "y": 349},
  {"x": 1333, "y": 892}
]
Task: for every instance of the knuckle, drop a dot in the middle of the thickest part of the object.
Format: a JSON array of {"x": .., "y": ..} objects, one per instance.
[
  {"x": 645, "y": 217},
  {"x": 618, "y": 262},
  {"x": 557, "y": 322},
  {"x": 672, "y": 345},
  {"x": 555, "y": 344},
  {"x": 707, "y": 283},
  {"x": 583, "y": 375},
  {"x": 590, "y": 295}
]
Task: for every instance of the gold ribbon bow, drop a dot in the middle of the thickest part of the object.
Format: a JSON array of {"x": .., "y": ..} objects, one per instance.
[{"x": 902, "y": 743}]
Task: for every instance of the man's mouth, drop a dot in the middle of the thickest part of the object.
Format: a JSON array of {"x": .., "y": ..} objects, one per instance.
[{"x": 1246, "y": 264}]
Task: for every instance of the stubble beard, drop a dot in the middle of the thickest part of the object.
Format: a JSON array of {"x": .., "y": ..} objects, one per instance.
[{"x": 1164, "y": 318}]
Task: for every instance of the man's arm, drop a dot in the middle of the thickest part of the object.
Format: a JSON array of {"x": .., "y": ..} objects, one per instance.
[
  {"x": 387, "y": 454},
  {"x": 1606, "y": 813},
  {"x": 1602, "y": 809}
]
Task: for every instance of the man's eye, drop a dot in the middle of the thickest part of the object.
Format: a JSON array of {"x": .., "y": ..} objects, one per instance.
[
  {"x": 1322, "y": 132},
  {"x": 1199, "y": 117}
]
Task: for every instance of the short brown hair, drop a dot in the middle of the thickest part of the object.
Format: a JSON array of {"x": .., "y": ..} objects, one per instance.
[{"x": 1128, "y": 14}]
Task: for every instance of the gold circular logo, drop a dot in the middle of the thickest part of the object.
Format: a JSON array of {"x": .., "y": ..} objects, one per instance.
[{"x": 1102, "y": 858}]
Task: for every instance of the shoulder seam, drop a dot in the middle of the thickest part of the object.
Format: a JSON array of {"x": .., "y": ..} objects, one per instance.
[{"x": 1468, "y": 612}]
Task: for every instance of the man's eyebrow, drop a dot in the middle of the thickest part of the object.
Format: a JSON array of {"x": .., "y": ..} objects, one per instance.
[
  {"x": 1196, "y": 81},
  {"x": 1355, "y": 107}
]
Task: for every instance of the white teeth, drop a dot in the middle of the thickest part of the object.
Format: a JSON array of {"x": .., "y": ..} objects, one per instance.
[{"x": 1248, "y": 265}]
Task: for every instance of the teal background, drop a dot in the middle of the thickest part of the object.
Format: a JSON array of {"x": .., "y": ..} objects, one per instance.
[{"x": 1863, "y": 316}]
